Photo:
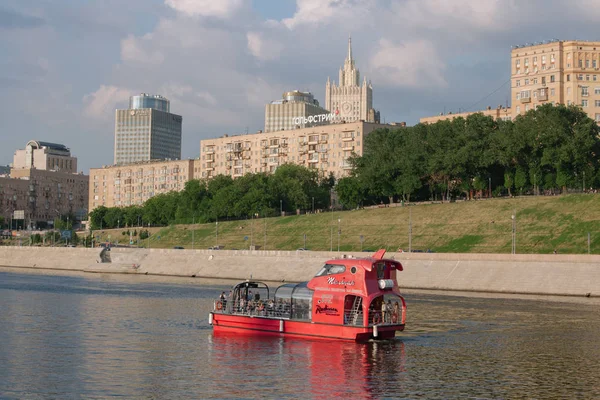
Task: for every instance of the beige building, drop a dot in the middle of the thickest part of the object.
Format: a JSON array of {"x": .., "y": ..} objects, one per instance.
[
  {"x": 46, "y": 156},
  {"x": 350, "y": 100},
  {"x": 325, "y": 148},
  {"x": 557, "y": 72},
  {"x": 500, "y": 112},
  {"x": 133, "y": 184},
  {"x": 43, "y": 184},
  {"x": 292, "y": 111}
]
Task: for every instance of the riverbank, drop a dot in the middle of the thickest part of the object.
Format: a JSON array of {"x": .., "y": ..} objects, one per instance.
[
  {"x": 567, "y": 224},
  {"x": 549, "y": 275}
]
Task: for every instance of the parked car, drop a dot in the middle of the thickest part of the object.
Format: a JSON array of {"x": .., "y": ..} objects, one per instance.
[{"x": 178, "y": 247}]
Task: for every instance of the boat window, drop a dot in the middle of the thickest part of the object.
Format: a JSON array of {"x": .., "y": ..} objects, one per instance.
[
  {"x": 353, "y": 311},
  {"x": 284, "y": 292},
  {"x": 380, "y": 267},
  {"x": 302, "y": 302},
  {"x": 331, "y": 269}
]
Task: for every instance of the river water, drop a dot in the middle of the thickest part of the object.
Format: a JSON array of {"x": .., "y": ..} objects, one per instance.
[{"x": 99, "y": 336}]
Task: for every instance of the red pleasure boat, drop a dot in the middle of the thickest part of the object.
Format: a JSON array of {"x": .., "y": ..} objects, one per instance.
[{"x": 349, "y": 298}]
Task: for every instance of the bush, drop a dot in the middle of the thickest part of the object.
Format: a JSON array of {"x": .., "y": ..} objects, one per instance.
[{"x": 144, "y": 234}]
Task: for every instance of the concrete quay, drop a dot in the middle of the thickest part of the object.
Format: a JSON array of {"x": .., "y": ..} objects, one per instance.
[{"x": 554, "y": 274}]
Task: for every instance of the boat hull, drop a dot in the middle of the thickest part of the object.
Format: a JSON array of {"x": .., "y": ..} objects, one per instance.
[{"x": 277, "y": 326}]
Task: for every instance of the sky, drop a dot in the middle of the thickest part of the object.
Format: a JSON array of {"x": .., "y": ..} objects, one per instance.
[{"x": 66, "y": 65}]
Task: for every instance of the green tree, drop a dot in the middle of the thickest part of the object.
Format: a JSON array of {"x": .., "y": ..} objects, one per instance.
[
  {"x": 350, "y": 192},
  {"x": 520, "y": 179},
  {"x": 508, "y": 181}
]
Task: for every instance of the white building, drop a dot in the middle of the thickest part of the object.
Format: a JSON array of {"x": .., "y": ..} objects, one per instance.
[{"x": 349, "y": 100}]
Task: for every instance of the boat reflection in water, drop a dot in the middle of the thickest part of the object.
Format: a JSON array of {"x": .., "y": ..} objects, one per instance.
[{"x": 250, "y": 366}]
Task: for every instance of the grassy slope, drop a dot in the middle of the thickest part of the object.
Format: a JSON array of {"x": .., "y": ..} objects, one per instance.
[{"x": 544, "y": 224}]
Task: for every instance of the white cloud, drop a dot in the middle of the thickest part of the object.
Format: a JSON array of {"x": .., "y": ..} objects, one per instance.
[
  {"x": 435, "y": 14},
  {"x": 206, "y": 8},
  {"x": 102, "y": 103},
  {"x": 263, "y": 48},
  {"x": 139, "y": 50},
  {"x": 408, "y": 64},
  {"x": 315, "y": 12}
]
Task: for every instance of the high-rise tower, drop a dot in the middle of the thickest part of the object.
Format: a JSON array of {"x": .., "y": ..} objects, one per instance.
[
  {"x": 350, "y": 100},
  {"x": 147, "y": 131}
]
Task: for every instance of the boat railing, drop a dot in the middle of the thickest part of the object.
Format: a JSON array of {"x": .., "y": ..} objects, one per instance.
[
  {"x": 253, "y": 308},
  {"x": 385, "y": 318},
  {"x": 353, "y": 318}
]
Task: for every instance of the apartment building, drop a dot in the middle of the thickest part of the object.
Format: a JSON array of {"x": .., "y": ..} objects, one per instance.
[
  {"x": 43, "y": 185},
  {"x": 324, "y": 148},
  {"x": 500, "y": 112},
  {"x": 133, "y": 184},
  {"x": 557, "y": 72}
]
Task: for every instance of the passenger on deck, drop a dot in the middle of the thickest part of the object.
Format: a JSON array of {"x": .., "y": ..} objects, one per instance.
[
  {"x": 383, "y": 311},
  {"x": 396, "y": 313}
]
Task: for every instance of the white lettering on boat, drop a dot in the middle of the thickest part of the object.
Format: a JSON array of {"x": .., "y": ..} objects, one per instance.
[{"x": 332, "y": 281}]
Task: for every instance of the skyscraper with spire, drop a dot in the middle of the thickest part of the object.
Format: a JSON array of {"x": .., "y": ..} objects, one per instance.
[{"x": 349, "y": 99}]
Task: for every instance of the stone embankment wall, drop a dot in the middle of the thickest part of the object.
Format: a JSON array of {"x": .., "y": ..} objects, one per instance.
[{"x": 572, "y": 275}]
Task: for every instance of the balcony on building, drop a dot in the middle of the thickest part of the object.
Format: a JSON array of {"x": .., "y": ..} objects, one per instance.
[
  {"x": 348, "y": 148},
  {"x": 313, "y": 139},
  {"x": 525, "y": 99},
  {"x": 210, "y": 150},
  {"x": 542, "y": 95},
  {"x": 347, "y": 138},
  {"x": 313, "y": 160}
]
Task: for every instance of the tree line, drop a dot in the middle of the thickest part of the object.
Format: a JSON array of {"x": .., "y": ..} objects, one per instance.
[
  {"x": 551, "y": 149},
  {"x": 288, "y": 189}
]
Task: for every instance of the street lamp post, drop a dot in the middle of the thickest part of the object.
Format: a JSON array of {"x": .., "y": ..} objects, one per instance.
[
  {"x": 339, "y": 233},
  {"x": 193, "y": 223},
  {"x": 313, "y": 210},
  {"x": 148, "y": 234},
  {"x": 217, "y": 234},
  {"x": 280, "y": 207},
  {"x": 490, "y": 187},
  {"x": 304, "y": 242},
  {"x": 410, "y": 230},
  {"x": 514, "y": 232}
]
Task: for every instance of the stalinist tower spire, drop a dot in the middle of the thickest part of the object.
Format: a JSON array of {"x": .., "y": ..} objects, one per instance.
[
  {"x": 349, "y": 48},
  {"x": 350, "y": 100}
]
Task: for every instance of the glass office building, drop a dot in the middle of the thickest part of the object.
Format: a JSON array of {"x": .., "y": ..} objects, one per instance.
[
  {"x": 147, "y": 131},
  {"x": 145, "y": 100}
]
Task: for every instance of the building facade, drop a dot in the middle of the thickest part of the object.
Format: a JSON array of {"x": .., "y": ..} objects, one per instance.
[
  {"x": 147, "y": 131},
  {"x": 325, "y": 148},
  {"x": 291, "y": 111},
  {"x": 557, "y": 72},
  {"x": 46, "y": 156},
  {"x": 43, "y": 185},
  {"x": 350, "y": 100},
  {"x": 133, "y": 184},
  {"x": 500, "y": 112}
]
